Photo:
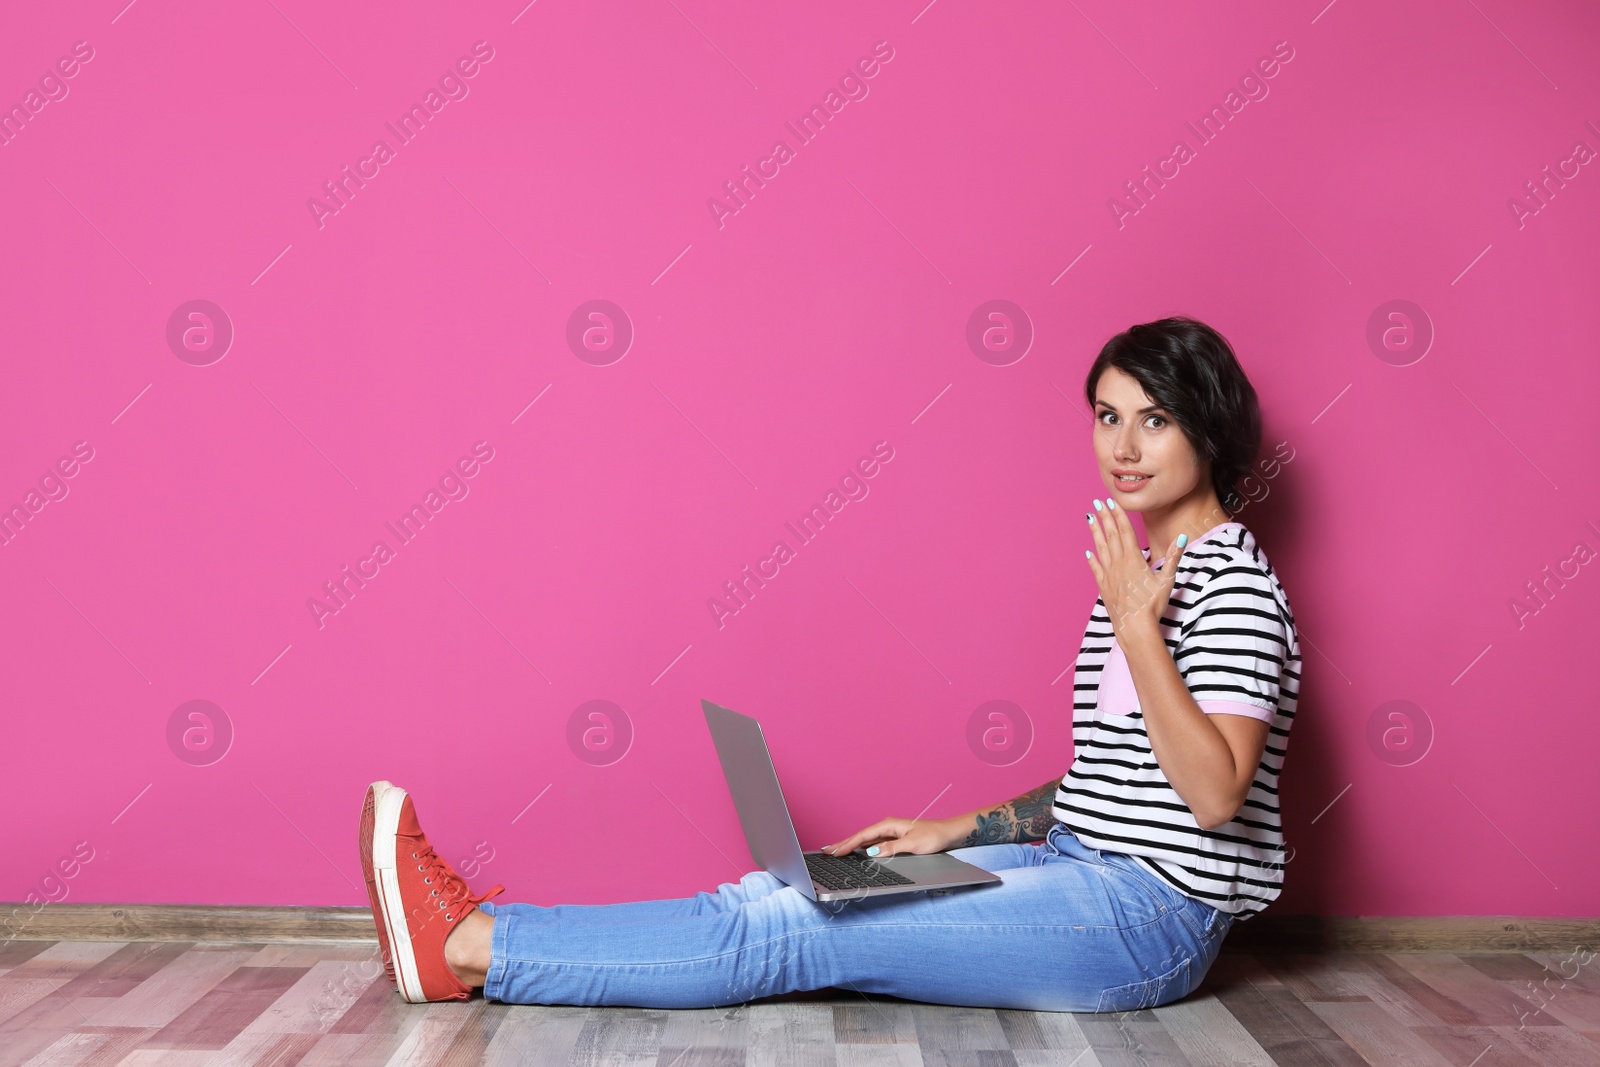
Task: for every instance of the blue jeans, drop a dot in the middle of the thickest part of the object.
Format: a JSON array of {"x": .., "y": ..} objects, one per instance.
[{"x": 1071, "y": 928}]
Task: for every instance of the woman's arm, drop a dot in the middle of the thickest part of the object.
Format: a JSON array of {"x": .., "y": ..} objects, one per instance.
[
  {"x": 1210, "y": 760},
  {"x": 1024, "y": 818}
]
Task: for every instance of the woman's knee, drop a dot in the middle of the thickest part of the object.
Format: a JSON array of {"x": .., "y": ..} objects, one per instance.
[
  {"x": 732, "y": 895},
  {"x": 758, "y": 884}
]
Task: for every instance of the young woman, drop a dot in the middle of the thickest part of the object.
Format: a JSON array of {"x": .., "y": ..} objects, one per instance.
[{"x": 1163, "y": 831}]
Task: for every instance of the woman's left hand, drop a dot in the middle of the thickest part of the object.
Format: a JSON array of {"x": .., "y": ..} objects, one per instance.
[{"x": 1134, "y": 595}]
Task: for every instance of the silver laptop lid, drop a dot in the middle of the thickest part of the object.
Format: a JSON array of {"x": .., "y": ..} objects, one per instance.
[{"x": 753, "y": 781}]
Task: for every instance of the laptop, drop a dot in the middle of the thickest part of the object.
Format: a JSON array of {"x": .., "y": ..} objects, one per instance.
[{"x": 768, "y": 829}]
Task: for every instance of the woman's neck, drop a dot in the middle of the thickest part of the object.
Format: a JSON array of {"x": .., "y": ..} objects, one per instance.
[{"x": 1194, "y": 515}]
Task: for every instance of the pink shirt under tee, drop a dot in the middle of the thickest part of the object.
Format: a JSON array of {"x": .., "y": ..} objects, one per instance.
[{"x": 1116, "y": 681}]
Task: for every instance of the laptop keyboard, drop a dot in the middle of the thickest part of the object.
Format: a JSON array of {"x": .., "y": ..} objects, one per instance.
[{"x": 851, "y": 872}]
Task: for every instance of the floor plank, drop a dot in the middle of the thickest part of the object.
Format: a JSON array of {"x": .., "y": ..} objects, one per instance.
[
  {"x": 1290, "y": 1032},
  {"x": 1441, "y": 1007},
  {"x": 167, "y": 1057},
  {"x": 1312, "y": 978},
  {"x": 1552, "y": 1045},
  {"x": 123, "y": 970},
  {"x": 1487, "y": 1001},
  {"x": 377, "y": 1010},
  {"x": 706, "y": 1027},
  {"x": 1480, "y": 1046},
  {"x": 218, "y": 1016},
  {"x": 312, "y": 1005},
  {"x": 620, "y": 1037},
  {"x": 878, "y": 1054},
  {"x": 36, "y": 1027},
  {"x": 165, "y": 995},
  {"x": 13, "y": 953},
  {"x": 874, "y": 1021},
  {"x": 1045, "y": 1058},
  {"x": 328, "y": 1004},
  {"x": 353, "y": 1050},
  {"x": 1209, "y": 1036},
  {"x": 1360, "y": 973},
  {"x": 790, "y": 1035},
  {"x": 69, "y": 1050},
  {"x": 19, "y": 994},
  {"x": 435, "y": 1035},
  {"x": 1572, "y": 1006},
  {"x": 1132, "y": 1039},
  {"x": 1505, "y": 966},
  {"x": 957, "y": 1028},
  {"x": 1374, "y": 1033},
  {"x": 542, "y": 1038},
  {"x": 1578, "y": 966},
  {"x": 973, "y": 1057},
  {"x": 65, "y": 959}
]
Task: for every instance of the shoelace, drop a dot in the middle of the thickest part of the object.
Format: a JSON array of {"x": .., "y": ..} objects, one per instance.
[{"x": 448, "y": 887}]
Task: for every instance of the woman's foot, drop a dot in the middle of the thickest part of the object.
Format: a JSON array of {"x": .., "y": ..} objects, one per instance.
[
  {"x": 418, "y": 900},
  {"x": 467, "y": 949}
]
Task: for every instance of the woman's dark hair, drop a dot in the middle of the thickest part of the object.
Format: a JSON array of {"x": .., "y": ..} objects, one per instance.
[{"x": 1191, "y": 372}]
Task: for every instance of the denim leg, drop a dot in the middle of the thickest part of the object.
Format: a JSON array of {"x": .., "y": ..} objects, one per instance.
[
  {"x": 1170, "y": 957},
  {"x": 729, "y": 895},
  {"x": 676, "y": 954},
  {"x": 1063, "y": 929},
  {"x": 726, "y": 896}
]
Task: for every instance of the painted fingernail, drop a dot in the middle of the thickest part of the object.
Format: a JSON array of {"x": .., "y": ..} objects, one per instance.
[
  {"x": 873, "y": 851},
  {"x": 1097, "y": 506},
  {"x": 1087, "y": 554},
  {"x": 1110, "y": 503},
  {"x": 1183, "y": 539},
  {"x": 1089, "y": 517}
]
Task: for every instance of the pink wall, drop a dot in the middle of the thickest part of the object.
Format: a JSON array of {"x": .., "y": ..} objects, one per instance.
[{"x": 376, "y": 346}]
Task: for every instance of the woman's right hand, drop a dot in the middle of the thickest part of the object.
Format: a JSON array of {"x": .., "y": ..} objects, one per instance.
[{"x": 893, "y": 836}]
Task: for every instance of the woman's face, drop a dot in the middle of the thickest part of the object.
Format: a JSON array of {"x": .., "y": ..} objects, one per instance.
[{"x": 1133, "y": 436}]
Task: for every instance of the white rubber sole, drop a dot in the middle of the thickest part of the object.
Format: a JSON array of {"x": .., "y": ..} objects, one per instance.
[{"x": 385, "y": 823}]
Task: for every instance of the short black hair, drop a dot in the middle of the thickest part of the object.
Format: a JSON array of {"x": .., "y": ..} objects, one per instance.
[{"x": 1189, "y": 369}]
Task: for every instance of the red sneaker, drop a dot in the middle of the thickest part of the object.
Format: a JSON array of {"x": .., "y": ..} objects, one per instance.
[
  {"x": 368, "y": 825},
  {"x": 417, "y": 897}
]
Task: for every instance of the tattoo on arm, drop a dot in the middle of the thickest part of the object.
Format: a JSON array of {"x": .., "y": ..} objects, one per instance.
[{"x": 1025, "y": 818}]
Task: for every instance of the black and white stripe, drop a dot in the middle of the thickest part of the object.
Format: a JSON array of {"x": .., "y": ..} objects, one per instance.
[{"x": 1232, "y": 635}]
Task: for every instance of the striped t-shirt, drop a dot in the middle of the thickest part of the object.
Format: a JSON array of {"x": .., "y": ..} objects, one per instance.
[{"x": 1232, "y": 635}]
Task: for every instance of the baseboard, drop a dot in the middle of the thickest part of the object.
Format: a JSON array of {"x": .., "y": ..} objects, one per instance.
[
  {"x": 183, "y": 922},
  {"x": 1264, "y": 933},
  {"x": 1410, "y": 933}
]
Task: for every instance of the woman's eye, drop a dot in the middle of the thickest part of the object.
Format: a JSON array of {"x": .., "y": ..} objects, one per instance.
[{"x": 1153, "y": 421}]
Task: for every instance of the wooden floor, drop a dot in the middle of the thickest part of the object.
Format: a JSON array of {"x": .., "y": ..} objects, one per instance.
[{"x": 70, "y": 1003}]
